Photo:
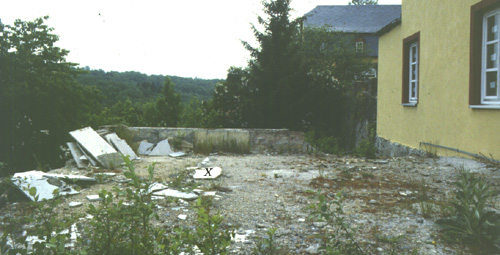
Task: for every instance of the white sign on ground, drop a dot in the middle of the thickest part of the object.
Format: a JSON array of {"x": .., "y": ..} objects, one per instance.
[{"x": 207, "y": 173}]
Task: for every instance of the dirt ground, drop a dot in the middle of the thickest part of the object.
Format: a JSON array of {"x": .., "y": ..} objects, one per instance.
[{"x": 390, "y": 204}]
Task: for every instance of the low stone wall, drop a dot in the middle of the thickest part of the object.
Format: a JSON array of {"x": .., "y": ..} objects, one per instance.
[
  {"x": 390, "y": 149},
  {"x": 258, "y": 140}
]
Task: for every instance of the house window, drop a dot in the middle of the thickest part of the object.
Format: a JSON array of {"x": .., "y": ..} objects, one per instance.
[
  {"x": 360, "y": 47},
  {"x": 484, "y": 89},
  {"x": 413, "y": 83},
  {"x": 489, "y": 70},
  {"x": 360, "y": 44},
  {"x": 411, "y": 60}
]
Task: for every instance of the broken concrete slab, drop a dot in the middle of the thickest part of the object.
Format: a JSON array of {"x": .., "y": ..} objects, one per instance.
[
  {"x": 177, "y": 154},
  {"x": 75, "y": 204},
  {"x": 207, "y": 173},
  {"x": 175, "y": 194},
  {"x": 97, "y": 147},
  {"x": 93, "y": 198},
  {"x": 145, "y": 148},
  {"x": 161, "y": 149},
  {"x": 71, "y": 177},
  {"x": 157, "y": 187},
  {"x": 204, "y": 163},
  {"x": 77, "y": 155},
  {"x": 121, "y": 145},
  {"x": 44, "y": 189}
]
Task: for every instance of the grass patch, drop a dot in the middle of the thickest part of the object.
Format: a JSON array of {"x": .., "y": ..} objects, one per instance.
[{"x": 231, "y": 145}]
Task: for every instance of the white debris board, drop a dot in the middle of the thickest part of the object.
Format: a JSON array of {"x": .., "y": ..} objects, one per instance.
[
  {"x": 77, "y": 154},
  {"x": 121, "y": 145},
  {"x": 97, "y": 147}
]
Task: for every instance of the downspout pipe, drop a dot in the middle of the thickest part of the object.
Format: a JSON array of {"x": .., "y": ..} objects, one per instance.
[{"x": 461, "y": 151}]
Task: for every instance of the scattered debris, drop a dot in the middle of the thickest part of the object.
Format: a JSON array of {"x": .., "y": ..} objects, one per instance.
[
  {"x": 77, "y": 155},
  {"x": 70, "y": 177},
  {"x": 204, "y": 163},
  {"x": 75, "y": 204},
  {"x": 207, "y": 173},
  {"x": 121, "y": 145},
  {"x": 93, "y": 198},
  {"x": 182, "y": 216},
  {"x": 44, "y": 189},
  {"x": 176, "y": 194},
  {"x": 177, "y": 154},
  {"x": 161, "y": 149},
  {"x": 145, "y": 148},
  {"x": 97, "y": 147}
]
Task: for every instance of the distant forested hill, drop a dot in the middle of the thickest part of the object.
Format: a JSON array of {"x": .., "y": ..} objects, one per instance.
[{"x": 139, "y": 87}]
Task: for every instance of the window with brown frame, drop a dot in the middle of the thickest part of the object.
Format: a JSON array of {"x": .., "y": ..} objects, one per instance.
[
  {"x": 411, "y": 62},
  {"x": 484, "y": 80}
]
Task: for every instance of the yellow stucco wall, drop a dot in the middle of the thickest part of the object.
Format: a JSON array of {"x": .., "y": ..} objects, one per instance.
[{"x": 443, "y": 115}]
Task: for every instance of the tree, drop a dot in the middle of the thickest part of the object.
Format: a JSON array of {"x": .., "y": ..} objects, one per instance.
[
  {"x": 276, "y": 77},
  {"x": 166, "y": 109},
  {"x": 363, "y": 2},
  {"x": 40, "y": 100}
]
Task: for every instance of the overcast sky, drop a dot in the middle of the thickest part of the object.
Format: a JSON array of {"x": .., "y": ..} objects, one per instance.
[{"x": 187, "y": 38}]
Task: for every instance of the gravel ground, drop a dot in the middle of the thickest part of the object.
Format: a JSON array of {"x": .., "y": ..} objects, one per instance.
[{"x": 258, "y": 192}]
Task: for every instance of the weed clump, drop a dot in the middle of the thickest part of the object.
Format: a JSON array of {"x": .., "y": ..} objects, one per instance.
[{"x": 471, "y": 221}]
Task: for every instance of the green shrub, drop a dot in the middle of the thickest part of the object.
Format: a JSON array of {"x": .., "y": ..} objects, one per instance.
[
  {"x": 42, "y": 221},
  {"x": 366, "y": 148},
  {"x": 471, "y": 221},
  {"x": 210, "y": 237},
  {"x": 340, "y": 240},
  {"x": 326, "y": 144}
]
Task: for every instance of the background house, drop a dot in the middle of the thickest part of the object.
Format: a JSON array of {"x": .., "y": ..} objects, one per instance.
[
  {"x": 362, "y": 20},
  {"x": 438, "y": 79}
]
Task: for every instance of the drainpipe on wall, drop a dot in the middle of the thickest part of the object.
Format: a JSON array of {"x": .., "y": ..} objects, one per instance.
[{"x": 461, "y": 151}]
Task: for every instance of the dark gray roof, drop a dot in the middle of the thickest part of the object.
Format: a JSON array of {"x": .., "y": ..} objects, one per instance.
[{"x": 353, "y": 18}]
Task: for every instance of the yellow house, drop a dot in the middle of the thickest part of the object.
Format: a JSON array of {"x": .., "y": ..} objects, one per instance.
[{"x": 439, "y": 76}]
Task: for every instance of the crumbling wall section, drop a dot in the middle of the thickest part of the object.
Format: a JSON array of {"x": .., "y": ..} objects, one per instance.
[
  {"x": 387, "y": 148},
  {"x": 257, "y": 140}
]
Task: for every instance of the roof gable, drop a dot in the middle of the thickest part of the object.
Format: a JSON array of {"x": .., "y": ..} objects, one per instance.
[{"x": 353, "y": 18}]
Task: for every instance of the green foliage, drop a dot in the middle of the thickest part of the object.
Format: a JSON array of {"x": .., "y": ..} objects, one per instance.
[
  {"x": 471, "y": 221},
  {"x": 231, "y": 145},
  {"x": 140, "y": 88},
  {"x": 165, "y": 110},
  {"x": 45, "y": 223},
  {"x": 210, "y": 236},
  {"x": 340, "y": 240},
  {"x": 267, "y": 246},
  {"x": 299, "y": 78},
  {"x": 192, "y": 114},
  {"x": 328, "y": 144},
  {"x": 122, "y": 223},
  {"x": 366, "y": 148},
  {"x": 40, "y": 101}
]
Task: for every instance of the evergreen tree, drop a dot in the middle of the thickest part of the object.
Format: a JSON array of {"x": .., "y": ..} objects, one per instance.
[{"x": 276, "y": 78}]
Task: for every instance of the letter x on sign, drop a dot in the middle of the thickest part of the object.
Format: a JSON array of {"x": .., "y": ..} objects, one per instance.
[{"x": 208, "y": 171}]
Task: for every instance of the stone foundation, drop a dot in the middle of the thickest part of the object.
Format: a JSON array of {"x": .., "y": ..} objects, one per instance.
[{"x": 387, "y": 148}]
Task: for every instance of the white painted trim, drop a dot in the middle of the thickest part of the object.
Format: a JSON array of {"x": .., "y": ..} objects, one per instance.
[
  {"x": 489, "y": 99},
  {"x": 491, "y": 107},
  {"x": 409, "y": 104},
  {"x": 410, "y": 52}
]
